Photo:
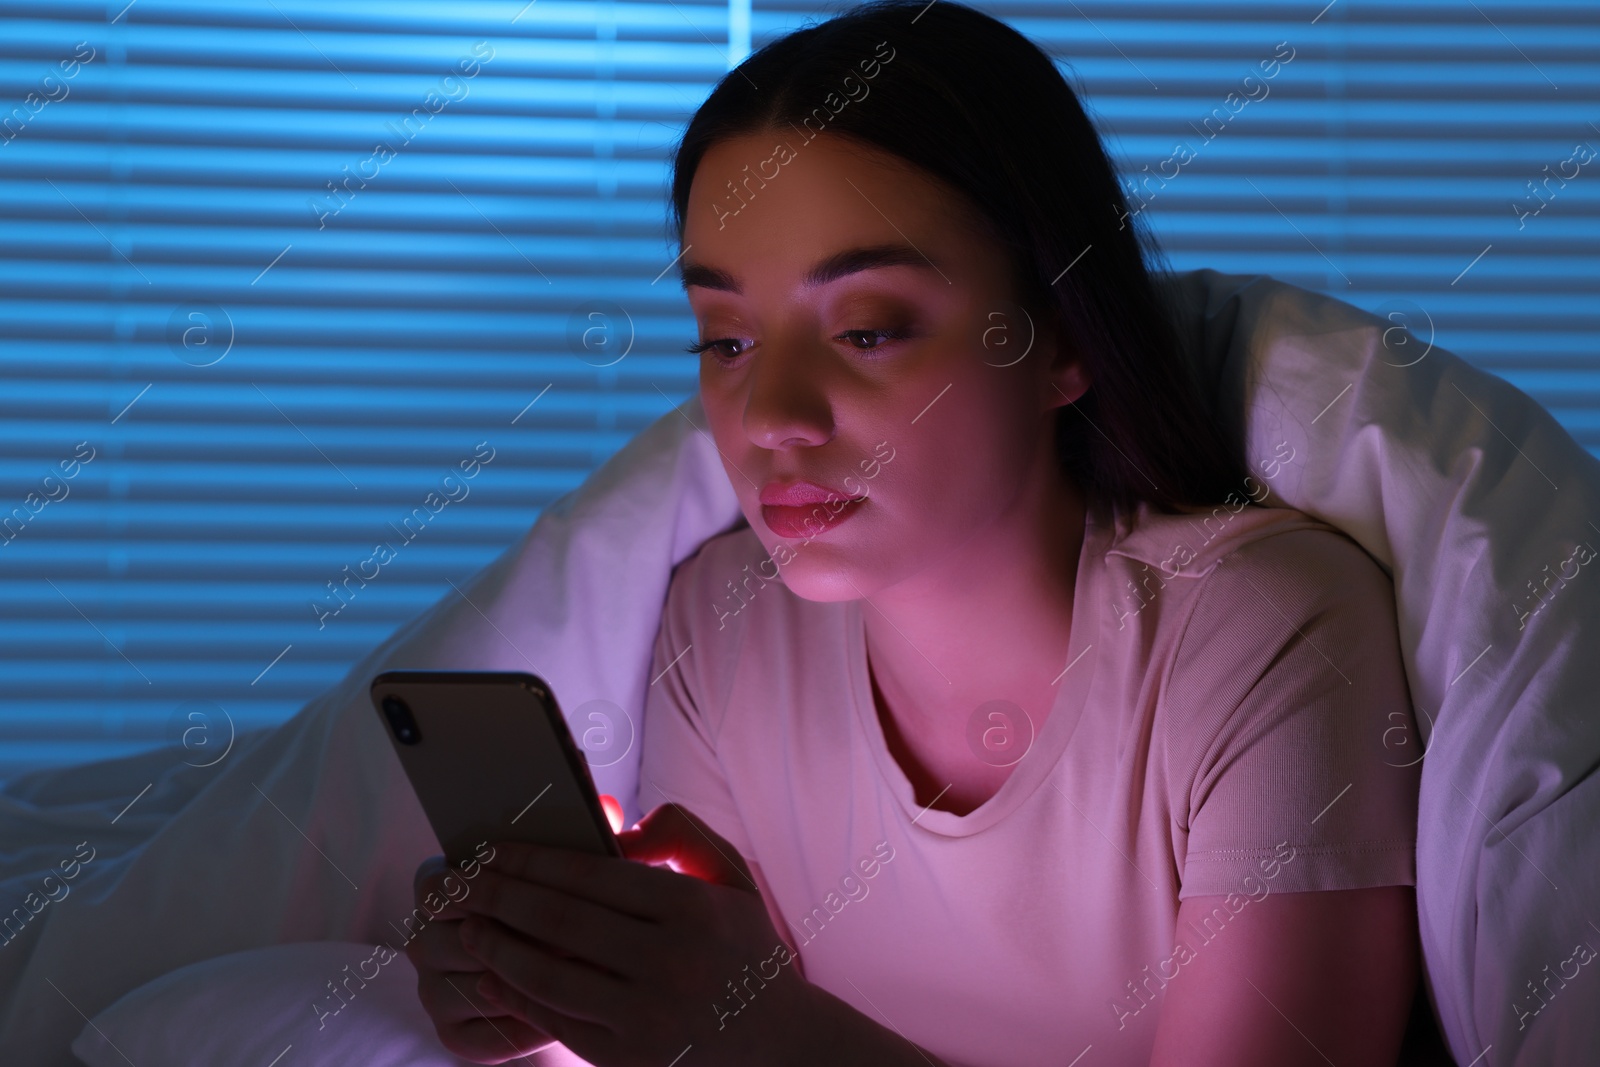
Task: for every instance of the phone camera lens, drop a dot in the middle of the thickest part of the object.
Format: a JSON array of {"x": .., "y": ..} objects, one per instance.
[{"x": 400, "y": 721}]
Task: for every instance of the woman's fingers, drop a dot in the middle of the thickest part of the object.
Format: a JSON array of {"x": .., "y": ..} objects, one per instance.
[
  {"x": 591, "y": 931},
  {"x": 633, "y": 889},
  {"x": 468, "y": 1023},
  {"x": 494, "y": 1040},
  {"x": 438, "y": 890},
  {"x": 575, "y": 1034},
  {"x": 613, "y": 809},
  {"x": 451, "y": 997},
  {"x": 569, "y": 986},
  {"x": 670, "y": 833},
  {"x": 438, "y": 947}
]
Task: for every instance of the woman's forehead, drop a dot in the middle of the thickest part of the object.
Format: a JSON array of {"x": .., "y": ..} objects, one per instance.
[{"x": 828, "y": 209}]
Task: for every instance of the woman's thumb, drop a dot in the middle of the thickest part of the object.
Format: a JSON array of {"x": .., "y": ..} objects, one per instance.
[
  {"x": 613, "y": 809},
  {"x": 674, "y": 835}
]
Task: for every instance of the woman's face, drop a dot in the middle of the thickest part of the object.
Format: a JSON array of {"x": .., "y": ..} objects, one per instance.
[{"x": 867, "y": 341}]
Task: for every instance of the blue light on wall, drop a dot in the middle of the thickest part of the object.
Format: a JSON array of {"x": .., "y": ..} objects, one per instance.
[{"x": 272, "y": 272}]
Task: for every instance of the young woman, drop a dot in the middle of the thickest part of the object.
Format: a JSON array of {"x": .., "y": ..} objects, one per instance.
[{"x": 1010, "y": 730}]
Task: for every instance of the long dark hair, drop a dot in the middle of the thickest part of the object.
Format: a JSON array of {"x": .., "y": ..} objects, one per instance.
[{"x": 977, "y": 105}]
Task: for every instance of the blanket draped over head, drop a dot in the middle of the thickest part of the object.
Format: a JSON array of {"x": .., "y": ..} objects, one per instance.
[{"x": 1463, "y": 488}]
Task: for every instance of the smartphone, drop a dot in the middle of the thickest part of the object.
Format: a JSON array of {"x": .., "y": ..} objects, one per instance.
[{"x": 491, "y": 759}]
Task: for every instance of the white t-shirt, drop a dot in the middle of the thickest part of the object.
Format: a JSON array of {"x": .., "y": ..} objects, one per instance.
[{"x": 1230, "y": 725}]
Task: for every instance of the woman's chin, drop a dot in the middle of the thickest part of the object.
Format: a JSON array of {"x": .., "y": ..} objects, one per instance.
[
  {"x": 814, "y": 571},
  {"x": 821, "y": 585}
]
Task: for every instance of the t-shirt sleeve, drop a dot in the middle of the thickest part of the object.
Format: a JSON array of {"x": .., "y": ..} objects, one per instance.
[
  {"x": 678, "y": 759},
  {"x": 1287, "y": 756}
]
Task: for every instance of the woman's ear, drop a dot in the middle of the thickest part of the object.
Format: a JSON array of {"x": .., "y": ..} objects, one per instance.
[
  {"x": 1070, "y": 379},
  {"x": 1069, "y": 371}
]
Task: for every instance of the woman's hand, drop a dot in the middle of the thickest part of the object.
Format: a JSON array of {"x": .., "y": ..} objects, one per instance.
[
  {"x": 447, "y": 977},
  {"x": 630, "y": 963}
]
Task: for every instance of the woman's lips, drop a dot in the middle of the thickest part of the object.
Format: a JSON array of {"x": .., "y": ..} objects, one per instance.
[{"x": 808, "y": 520}]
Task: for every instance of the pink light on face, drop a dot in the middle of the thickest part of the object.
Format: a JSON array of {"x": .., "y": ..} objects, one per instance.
[{"x": 826, "y": 328}]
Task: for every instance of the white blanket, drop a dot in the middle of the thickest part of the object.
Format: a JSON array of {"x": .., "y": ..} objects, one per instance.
[{"x": 1463, "y": 487}]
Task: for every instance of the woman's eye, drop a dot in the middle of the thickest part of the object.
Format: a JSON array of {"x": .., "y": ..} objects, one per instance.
[
  {"x": 850, "y": 336},
  {"x": 728, "y": 350},
  {"x": 715, "y": 347}
]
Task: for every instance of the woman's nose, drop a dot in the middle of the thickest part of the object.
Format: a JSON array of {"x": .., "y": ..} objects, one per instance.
[{"x": 788, "y": 402}]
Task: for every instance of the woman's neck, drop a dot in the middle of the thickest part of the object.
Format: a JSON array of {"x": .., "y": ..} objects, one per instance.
[{"x": 989, "y": 621}]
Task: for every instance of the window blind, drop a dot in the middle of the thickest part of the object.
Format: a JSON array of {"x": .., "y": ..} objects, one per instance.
[{"x": 284, "y": 281}]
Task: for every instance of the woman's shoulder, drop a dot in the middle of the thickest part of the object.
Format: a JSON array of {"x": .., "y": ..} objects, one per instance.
[
  {"x": 1282, "y": 682},
  {"x": 1237, "y": 588},
  {"x": 1238, "y": 536},
  {"x": 1214, "y": 578}
]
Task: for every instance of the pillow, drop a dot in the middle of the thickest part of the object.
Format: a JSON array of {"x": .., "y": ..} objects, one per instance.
[{"x": 255, "y": 1006}]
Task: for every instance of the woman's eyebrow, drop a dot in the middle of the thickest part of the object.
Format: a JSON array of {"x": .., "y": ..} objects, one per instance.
[{"x": 831, "y": 268}]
